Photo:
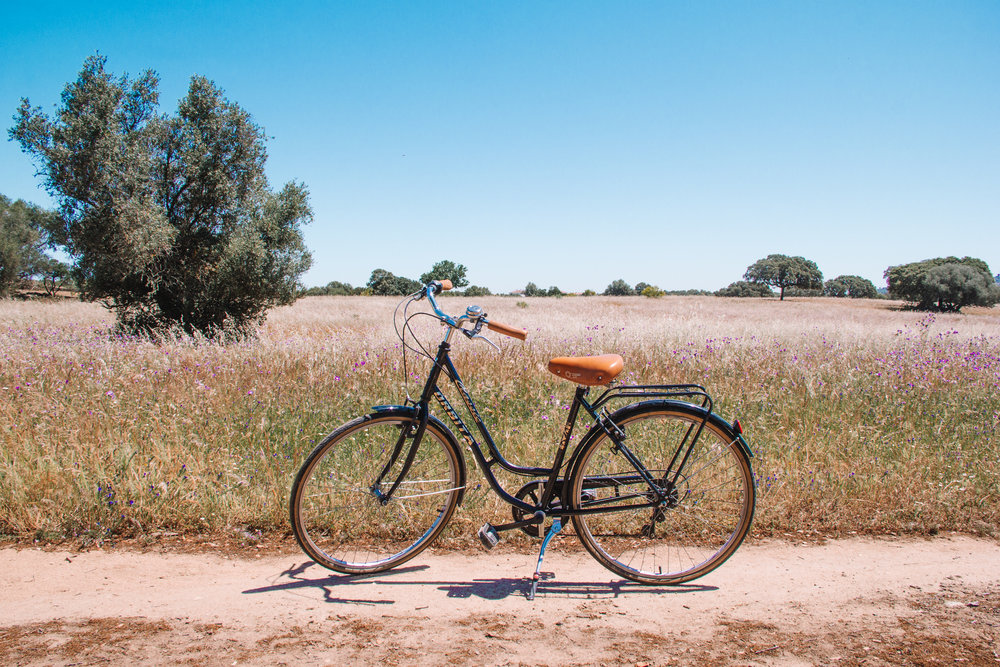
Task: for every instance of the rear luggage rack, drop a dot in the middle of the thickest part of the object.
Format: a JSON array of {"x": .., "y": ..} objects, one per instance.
[{"x": 681, "y": 391}]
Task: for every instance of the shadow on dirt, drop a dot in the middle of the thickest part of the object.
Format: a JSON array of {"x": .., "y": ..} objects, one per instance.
[{"x": 336, "y": 587}]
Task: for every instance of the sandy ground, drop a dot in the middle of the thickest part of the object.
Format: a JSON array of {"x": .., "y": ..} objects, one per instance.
[{"x": 843, "y": 602}]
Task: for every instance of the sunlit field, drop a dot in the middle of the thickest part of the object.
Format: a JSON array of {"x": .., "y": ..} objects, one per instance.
[{"x": 863, "y": 418}]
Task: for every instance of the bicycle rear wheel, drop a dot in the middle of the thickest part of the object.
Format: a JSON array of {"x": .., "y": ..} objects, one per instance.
[
  {"x": 708, "y": 507},
  {"x": 336, "y": 515}
]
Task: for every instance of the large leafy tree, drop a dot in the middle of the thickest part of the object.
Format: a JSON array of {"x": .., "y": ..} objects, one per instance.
[
  {"x": 169, "y": 219},
  {"x": 446, "y": 270},
  {"x": 782, "y": 271},
  {"x": 944, "y": 283}
]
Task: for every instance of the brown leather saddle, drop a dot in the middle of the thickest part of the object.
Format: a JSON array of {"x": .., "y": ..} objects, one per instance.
[{"x": 589, "y": 371}]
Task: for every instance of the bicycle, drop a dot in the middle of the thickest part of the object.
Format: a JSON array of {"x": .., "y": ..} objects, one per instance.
[{"x": 659, "y": 491}]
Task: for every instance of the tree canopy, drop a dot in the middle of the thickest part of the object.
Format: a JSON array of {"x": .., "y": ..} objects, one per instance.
[
  {"x": 742, "y": 288},
  {"x": 446, "y": 270},
  {"x": 169, "y": 219},
  {"x": 854, "y": 287},
  {"x": 944, "y": 283},
  {"x": 19, "y": 239},
  {"x": 531, "y": 289},
  {"x": 782, "y": 271},
  {"x": 618, "y": 288},
  {"x": 385, "y": 283},
  {"x": 24, "y": 232}
]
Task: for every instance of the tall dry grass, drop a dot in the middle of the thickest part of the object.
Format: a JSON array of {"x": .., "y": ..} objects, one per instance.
[{"x": 863, "y": 418}]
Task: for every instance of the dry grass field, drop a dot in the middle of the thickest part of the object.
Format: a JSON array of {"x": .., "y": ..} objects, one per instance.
[{"x": 864, "y": 419}]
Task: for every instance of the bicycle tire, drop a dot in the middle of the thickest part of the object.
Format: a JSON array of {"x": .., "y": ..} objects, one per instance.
[
  {"x": 710, "y": 508},
  {"x": 337, "y": 518}
]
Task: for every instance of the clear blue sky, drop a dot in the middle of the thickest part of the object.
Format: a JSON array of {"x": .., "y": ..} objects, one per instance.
[{"x": 573, "y": 143}]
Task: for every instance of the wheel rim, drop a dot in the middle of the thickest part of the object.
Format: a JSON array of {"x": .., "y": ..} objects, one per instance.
[
  {"x": 341, "y": 522},
  {"x": 703, "y": 517}
]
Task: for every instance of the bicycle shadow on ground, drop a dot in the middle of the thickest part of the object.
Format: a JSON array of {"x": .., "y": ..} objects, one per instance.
[{"x": 336, "y": 588}]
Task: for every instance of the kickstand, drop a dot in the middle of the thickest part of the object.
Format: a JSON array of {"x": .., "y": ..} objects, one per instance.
[{"x": 555, "y": 528}]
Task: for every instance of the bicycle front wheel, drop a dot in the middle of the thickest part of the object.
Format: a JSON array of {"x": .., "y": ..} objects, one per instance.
[
  {"x": 337, "y": 515},
  {"x": 708, "y": 495}
]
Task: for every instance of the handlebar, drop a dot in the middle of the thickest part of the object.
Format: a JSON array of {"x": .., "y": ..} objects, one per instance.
[
  {"x": 474, "y": 314},
  {"x": 507, "y": 330}
]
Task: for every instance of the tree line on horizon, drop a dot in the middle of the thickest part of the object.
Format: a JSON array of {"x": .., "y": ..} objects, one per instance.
[
  {"x": 944, "y": 284},
  {"x": 169, "y": 220}
]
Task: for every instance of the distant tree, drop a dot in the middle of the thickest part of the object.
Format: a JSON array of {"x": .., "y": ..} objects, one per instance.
[
  {"x": 446, "y": 270},
  {"x": 782, "y": 271},
  {"x": 531, "y": 289},
  {"x": 476, "y": 290},
  {"x": 651, "y": 291},
  {"x": 742, "y": 288},
  {"x": 945, "y": 283},
  {"x": 618, "y": 288},
  {"x": 20, "y": 242},
  {"x": 689, "y": 292},
  {"x": 639, "y": 287},
  {"x": 333, "y": 288},
  {"x": 385, "y": 283},
  {"x": 553, "y": 291},
  {"x": 804, "y": 291},
  {"x": 854, "y": 287},
  {"x": 589, "y": 292},
  {"x": 53, "y": 274},
  {"x": 168, "y": 219}
]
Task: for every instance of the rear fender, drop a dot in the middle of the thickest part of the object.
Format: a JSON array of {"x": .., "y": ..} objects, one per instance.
[{"x": 694, "y": 410}]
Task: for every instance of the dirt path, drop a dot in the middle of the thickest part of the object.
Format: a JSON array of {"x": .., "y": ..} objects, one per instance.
[{"x": 844, "y": 602}]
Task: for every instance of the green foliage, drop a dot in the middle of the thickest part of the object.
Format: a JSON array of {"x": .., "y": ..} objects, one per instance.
[
  {"x": 446, "y": 270},
  {"x": 17, "y": 238},
  {"x": 23, "y": 230},
  {"x": 782, "y": 271},
  {"x": 945, "y": 283},
  {"x": 384, "y": 283},
  {"x": 618, "y": 288},
  {"x": 854, "y": 287},
  {"x": 688, "y": 292},
  {"x": 554, "y": 291},
  {"x": 804, "y": 291},
  {"x": 531, "y": 289},
  {"x": 651, "y": 291},
  {"x": 742, "y": 288},
  {"x": 169, "y": 219},
  {"x": 54, "y": 274},
  {"x": 589, "y": 292},
  {"x": 476, "y": 290},
  {"x": 334, "y": 288},
  {"x": 639, "y": 287}
]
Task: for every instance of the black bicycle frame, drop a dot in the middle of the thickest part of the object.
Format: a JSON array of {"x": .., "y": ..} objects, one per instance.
[{"x": 443, "y": 364}]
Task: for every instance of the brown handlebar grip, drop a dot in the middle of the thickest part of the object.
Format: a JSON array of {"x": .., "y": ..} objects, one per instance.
[
  {"x": 445, "y": 285},
  {"x": 506, "y": 330}
]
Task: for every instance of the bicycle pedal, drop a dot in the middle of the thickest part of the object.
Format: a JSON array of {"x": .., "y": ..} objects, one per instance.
[{"x": 489, "y": 536}]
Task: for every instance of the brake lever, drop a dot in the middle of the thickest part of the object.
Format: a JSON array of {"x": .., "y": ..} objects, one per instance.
[{"x": 481, "y": 337}]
